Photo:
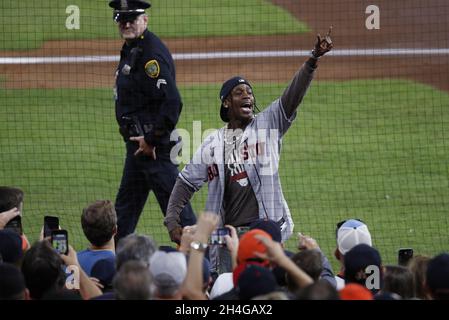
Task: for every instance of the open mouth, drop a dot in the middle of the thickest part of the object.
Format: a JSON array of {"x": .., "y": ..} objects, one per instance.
[{"x": 246, "y": 107}]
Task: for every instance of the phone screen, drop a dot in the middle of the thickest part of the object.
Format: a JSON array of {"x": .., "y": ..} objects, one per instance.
[
  {"x": 404, "y": 256},
  {"x": 218, "y": 236},
  {"x": 59, "y": 241},
  {"x": 50, "y": 223},
  {"x": 15, "y": 224}
]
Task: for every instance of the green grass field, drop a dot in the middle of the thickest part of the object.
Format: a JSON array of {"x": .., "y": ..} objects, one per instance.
[
  {"x": 26, "y": 24},
  {"x": 376, "y": 150}
]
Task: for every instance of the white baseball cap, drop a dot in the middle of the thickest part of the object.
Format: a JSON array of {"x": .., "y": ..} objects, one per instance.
[
  {"x": 351, "y": 233},
  {"x": 169, "y": 269}
]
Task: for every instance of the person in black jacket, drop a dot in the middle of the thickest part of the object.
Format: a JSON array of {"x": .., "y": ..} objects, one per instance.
[{"x": 147, "y": 105}]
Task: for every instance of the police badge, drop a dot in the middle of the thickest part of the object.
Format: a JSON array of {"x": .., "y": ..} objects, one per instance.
[{"x": 152, "y": 69}]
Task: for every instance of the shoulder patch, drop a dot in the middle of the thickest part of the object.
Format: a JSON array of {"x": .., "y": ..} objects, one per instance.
[{"x": 152, "y": 69}]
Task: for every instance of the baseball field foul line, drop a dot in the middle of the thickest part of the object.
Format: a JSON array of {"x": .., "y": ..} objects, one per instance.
[{"x": 233, "y": 55}]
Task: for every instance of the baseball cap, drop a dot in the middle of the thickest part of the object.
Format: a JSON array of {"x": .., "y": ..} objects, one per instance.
[
  {"x": 223, "y": 284},
  {"x": 358, "y": 258},
  {"x": 226, "y": 89},
  {"x": 128, "y": 9},
  {"x": 104, "y": 270},
  {"x": 355, "y": 291},
  {"x": 240, "y": 268},
  {"x": 351, "y": 233},
  {"x": 168, "y": 269},
  {"x": 249, "y": 244},
  {"x": 269, "y": 226},
  {"x": 10, "y": 246},
  {"x": 254, "y": 281}
]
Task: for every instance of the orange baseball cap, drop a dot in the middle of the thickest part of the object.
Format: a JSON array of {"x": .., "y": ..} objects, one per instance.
[
  {"x": 249, "y": 244},
  {"x": 355, "y": 291}
]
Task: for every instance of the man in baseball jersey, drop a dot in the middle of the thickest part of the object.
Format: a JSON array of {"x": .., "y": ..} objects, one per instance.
[{"x": 240, "y": 160}]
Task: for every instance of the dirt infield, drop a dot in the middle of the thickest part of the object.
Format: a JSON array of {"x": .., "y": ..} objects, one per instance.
[{"x": 403, "y": 24}]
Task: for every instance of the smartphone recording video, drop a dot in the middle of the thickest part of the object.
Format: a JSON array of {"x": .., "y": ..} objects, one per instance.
[
  {"x": 50, "y": 223},
  {"x": 218, "y": 236},
  {"x": 60, "y": 241},
  {"x": 15, "y": 224},
  {"x": 404, "y": 256}
]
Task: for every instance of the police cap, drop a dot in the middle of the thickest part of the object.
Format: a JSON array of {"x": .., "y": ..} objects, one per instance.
[{"x": 128, "y": 9}]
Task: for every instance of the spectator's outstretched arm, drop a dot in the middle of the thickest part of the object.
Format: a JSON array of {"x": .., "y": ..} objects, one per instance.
[
  {"x": 193, "y": 284},
  {"x": 88, "y": 288},
  {"x": 295, "y": 92},
  {"x": 276, "y": 254},
  {"x": 308, "y": 243}
]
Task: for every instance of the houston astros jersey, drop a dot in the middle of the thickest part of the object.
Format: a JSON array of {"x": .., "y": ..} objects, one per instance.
[{"x": 262, "y": 140}]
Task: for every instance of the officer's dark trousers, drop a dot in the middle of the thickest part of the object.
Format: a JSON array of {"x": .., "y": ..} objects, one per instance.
[{"x": 141, "y": 175}]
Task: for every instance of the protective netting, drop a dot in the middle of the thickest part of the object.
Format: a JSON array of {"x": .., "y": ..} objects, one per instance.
[{"x": 370, "y": 141}]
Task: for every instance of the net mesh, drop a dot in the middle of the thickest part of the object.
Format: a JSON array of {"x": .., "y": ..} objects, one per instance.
[{"x": 370, "y": 141}]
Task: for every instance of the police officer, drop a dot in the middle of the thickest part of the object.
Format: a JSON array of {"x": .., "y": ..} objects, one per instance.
[{"x": 147, "y": 105}]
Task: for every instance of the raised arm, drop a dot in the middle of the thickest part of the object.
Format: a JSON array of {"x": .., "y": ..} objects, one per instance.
[
  {"x": 294, "y": 93},
  {"x": 308, "y": 243},
  {"x": 276, "y": 254},
  {"x": 88, "y": 288},
  {"x": 193, "y": 283}
]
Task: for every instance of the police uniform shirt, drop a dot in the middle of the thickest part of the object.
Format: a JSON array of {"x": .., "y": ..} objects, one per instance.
[{"x": 146, "y": 88}]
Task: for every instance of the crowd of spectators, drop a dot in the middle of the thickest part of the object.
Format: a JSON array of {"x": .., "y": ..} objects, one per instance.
[{"x": 136, "y": 268}]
